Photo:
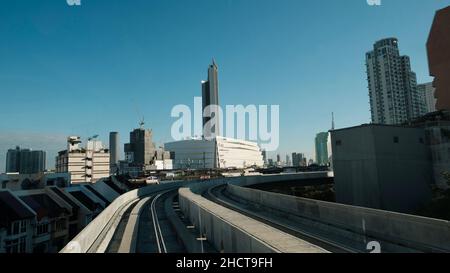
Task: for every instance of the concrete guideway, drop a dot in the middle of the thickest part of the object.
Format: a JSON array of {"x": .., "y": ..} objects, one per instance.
[
  {"x": 157, "y": 227},
  {"x": 232, "y": 232},
  {"x": 96, "y": 236},
  {"x": 216, "y": 195},
  {"x": 147, "y": 229}
]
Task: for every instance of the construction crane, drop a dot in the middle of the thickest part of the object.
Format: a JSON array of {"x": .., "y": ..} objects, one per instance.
[
  {"x": 142, "y": 123},
  {"x": 92, "y": 137}
]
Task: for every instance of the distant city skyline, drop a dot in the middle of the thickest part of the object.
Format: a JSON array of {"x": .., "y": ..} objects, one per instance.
[{"x": 96, "y": 69}]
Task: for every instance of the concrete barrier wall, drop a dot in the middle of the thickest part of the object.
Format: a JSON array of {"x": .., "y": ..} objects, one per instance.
[
  {"x": 232, "y": 232},
  {"x": 190, "y": 242},
  {"x": 83, "y": 242},
  {"x": 408, "y": 230}
]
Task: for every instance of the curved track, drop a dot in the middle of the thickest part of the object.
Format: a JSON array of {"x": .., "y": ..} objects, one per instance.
[{"x": 216, "y": 194}]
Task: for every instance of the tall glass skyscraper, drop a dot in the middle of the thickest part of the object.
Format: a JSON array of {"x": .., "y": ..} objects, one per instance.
[
  {"x": 210, "y": 97},
  {"x": 322, "y": 148}
]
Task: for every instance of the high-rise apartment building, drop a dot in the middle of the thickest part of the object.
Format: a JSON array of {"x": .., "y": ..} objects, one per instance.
[
  {"x": 322, "y": 148},
  {"x": 210, "y": 98},
  {"x": 25, "y": 161},
  {"x": 427, "y": 91},
  {"x": 393, "y": 94},
  {"x": 298, "y": 159}
]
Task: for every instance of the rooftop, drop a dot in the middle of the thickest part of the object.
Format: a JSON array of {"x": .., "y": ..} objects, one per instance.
[
  {"x": 43, "y": 205},
  {"x": 11, "y": 209}
]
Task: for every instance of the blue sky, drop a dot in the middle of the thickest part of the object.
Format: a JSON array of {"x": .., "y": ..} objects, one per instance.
[{"x": 99, "y": 67}]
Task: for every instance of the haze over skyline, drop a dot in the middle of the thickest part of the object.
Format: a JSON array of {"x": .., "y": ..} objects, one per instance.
[{"x": 101, "y": 66}]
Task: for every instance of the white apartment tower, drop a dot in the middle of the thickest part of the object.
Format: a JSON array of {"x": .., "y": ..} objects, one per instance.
[
  {"x": 394, "y": 98},
  {"x": 88, "y": 164},
  {"x": 427, "y": 90}
]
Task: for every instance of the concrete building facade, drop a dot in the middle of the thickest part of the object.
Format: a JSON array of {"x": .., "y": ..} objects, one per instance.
[
  {"x": 141, "y": 149},
  {"x": 219, "y": 153},
  {"x": 141, "y": 155},
  {"x": 85, "y": 164},
  {"x": 382, "y": 167},
  {"x": 438, "y": 45},
  {"x": 114, "y": 145}
]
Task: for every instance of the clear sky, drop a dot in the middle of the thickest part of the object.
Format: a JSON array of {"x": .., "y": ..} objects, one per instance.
[{"x": 101, "y": 66}]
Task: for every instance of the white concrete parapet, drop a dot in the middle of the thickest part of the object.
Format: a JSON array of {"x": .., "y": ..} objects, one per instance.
[
  {"x": 232, "y": 232},
  {"x": 412, "y": 231}
]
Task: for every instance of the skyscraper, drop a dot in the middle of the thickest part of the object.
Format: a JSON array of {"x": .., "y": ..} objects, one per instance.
[
  {"x": 427, "y": 91},
  {"x": 288, "y": 161},
  {"x": 141, "y": 149},
  {"x": 210, "y": 98},
  {"x": 297, "y": 159},
  {"x": 264, "y": 155},
  {"x": 25, "y": 161},
  {"x": 114, "y": 151},
  {"x": 392, "y": 85},
  {"x": 322, "y": 148}
]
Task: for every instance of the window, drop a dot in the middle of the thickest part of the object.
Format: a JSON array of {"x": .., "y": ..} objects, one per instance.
[
  {"x": 60, "y": 225},
  {"x": 23, "y": 226},
  {"x": 14, "y": 228},
  {"x": 396, "y": 139},
  {"x": 16, "y": 245},
  {"x": 42, "y": 229}
]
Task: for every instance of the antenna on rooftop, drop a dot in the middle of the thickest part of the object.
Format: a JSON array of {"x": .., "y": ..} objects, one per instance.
[{"x": 142, "y": 123}]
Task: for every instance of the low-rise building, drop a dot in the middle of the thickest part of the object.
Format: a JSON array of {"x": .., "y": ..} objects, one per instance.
[
  {"x": 44, "y": 220},
  {"x": 85, "y": 164},
  {"x": 382, "y": 166},
  {"x": 17, "y": 221},
  {"x": 52, "y": 218},
  {"x": 17, "y": 181}
]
